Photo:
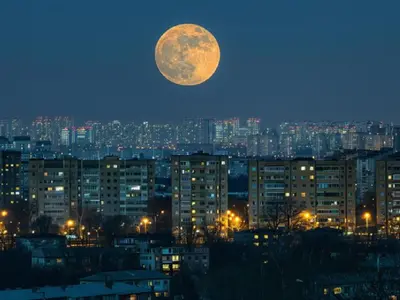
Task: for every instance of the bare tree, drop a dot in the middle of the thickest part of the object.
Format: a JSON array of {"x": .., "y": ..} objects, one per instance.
[{"x": 282, "y": 214}]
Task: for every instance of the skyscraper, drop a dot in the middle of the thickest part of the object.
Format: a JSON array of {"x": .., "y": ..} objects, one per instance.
[{"x": 253, "y": 124}]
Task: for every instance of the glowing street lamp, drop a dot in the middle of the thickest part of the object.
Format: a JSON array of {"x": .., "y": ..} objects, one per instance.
[
  {"x": 70, "y": 223},
  {"x": 367, "y": 217},
  {"x": 144, "y": 222},
  {"x": 4, "y": 213}
]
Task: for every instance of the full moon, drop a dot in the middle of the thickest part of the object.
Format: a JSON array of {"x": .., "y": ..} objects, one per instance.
[{"x": 187, "y": 54}]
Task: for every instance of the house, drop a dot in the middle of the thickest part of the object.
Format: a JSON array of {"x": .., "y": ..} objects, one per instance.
[
  {"x": 142, "y": 242},
  {"x": 150, "y": 260},
  {"x": 31, "y": 242},
  {"x": 101, "y": 291},
  {"x": 48, "y": 258},
  {"x": 350, "y": 285},
  {"x": 258, "y": 237},
  {"x": 157, "y": 281},
  {"x": 197, "y": 259}
]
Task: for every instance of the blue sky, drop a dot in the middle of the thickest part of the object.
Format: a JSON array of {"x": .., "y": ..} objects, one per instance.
[{"x": 280, "y": 60}]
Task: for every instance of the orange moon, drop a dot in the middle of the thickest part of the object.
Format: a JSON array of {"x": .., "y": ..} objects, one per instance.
[{"x": 187, "y": 54}]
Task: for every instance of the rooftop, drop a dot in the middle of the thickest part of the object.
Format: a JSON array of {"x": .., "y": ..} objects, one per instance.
[
  {"x": 74, "y": 291},
  {"x": 128, "y": 275}
]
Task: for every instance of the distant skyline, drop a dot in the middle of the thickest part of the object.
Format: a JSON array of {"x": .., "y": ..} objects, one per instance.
[
  {"x": 281, "y": 60},
  {"x": 243, "y": 120}
]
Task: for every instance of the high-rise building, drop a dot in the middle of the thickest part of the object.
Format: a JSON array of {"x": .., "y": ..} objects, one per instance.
[
  {"x": 10, "y": 181},
  {"x": 253, "y": 124},
  {"x": 388, "y": 192},
  {"x": 324, "y": 189},
  {"x": 199, "y": 191},
  {"x": 53, "y": 189},
  {"x": 226, "y": 130},
  {"x": 70, "y": 188},
  {"x": 127, "y": 186}
]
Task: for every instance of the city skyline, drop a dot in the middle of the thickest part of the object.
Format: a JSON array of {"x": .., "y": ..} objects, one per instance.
[{"x": 284, "y": 60}]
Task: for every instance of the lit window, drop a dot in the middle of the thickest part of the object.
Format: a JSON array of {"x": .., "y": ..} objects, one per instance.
[
  {"x": 390, "y": 177},
  {"x": 108, "y": 166},
  {"x": 49, "y": 188},
  {"x": 193, "y": 203},
  {"x": 193, "y": 179},
  {"x": 175, "y": 266},
  {"x": 59, "y": 188},
  {"x": 256, "y": 244},
  {"x": 115, "y": 166},
  {"x": 60, "y": 173},
  {"x": 256, "y": 236},
  {"x": 287, "y": 194},
  {"x": 193, "y": 219},
  {"x": 46, "y": 174},
  {"x": 303, "y": 194},
  {"x": 326, "y": 291},
  {"x": 33, "y": 196},
  {"x": 390, "y": 185},
  {"x": 303, "y": 168},
  {"x": 175, "y": 257},
  {"x": 337, "y": 290},
  {"x": 311, "y": 177},
  {"x": 193, "y": 211},
  {"x": 59, "y": 260},
  {"x": 223, "y": 162},
  {"x": 165, "y": 267},
  {"x": 311, "y": 168},
  {"x": 265, "y": 236}
]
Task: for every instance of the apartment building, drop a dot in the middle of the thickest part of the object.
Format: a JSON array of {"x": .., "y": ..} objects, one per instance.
[
  {"x": 199, "y": 190},
  {"x": 69, "y": 188},
  {"x": 388, "y": 192},
  {"x": 53, "y": 189},
  {"x": 10, "y": 181},
  {"x": 323, "y": 189}
]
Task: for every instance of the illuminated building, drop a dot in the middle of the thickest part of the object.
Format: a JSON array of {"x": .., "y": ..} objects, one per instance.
[
  {"x": 199, "y": 190},
  {"x": 253, "y": 125},
  {"x": 10, "y": 180},
  {"x": 127, "y": 186},
  {"x": 388, "y": 191},
  {"x": 53, "y": 189},
  {"x": 70, "y": 188},
  {"x": 323, "y": 188}
]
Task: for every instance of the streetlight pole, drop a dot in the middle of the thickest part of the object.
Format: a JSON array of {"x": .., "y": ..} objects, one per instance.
[{"x": 367, "y": 216}]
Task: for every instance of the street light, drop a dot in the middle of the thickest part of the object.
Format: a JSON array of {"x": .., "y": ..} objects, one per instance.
[
  {"x": 306, "y": 215},
  {"x": 145, "y": 221},
  {"x": 4, "y": 213},
  {"x": 367, "y": 217},
  {"x": 70, "y": 223}
]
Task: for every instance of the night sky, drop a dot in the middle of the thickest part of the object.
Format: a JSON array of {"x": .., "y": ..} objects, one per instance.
[{"x": 280, "y": 60}]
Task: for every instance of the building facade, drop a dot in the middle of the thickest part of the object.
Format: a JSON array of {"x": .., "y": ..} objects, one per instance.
[
  {"x": 70, "y": 188},
  {"x": 388, "y": 193},
  {"x": 199, "y": 190},
  {"x": 323, "y": 190}
]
